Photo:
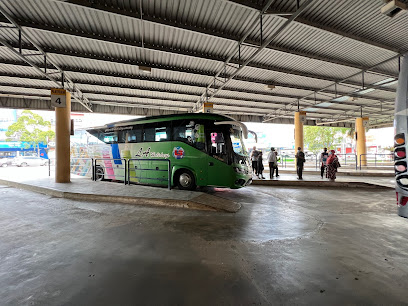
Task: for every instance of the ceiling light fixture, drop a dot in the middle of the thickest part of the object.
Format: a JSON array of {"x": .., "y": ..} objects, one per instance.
[
  {"x": 393, "y": 7},
  {"x": 145, "y": 69}
]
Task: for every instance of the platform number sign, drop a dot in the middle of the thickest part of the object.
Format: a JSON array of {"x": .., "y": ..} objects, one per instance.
[{"x": 58, "y": 97}]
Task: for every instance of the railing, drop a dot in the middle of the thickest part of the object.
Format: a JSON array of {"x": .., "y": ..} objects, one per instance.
[
  {"x": 111, "y": 170},
  {"x": 310, "y": 159},
  {"x": 351, "y": 157},
  {"x": 385, "y": 159},
  {"x": 49, "y": 167},
  {"x": 82, "y": 165},
  {"x": 136, "y": 169}
]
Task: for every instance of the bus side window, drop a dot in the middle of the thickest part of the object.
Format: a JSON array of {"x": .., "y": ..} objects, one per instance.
[
  {"x": 134, "y": 135},
  {"x": 122, "y": 137},
  {"x": 149, "y": 133},
  {"x": 111, "y": 137},
  {"x": 190, "y": 132},
  {"x": 161, "y": 134}
]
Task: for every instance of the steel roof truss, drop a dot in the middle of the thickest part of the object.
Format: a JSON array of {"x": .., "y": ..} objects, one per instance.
[{"x": 68, "y": 84}]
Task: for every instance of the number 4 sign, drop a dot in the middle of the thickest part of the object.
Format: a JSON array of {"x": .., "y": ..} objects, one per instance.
[{"x": 58, "y": 97}]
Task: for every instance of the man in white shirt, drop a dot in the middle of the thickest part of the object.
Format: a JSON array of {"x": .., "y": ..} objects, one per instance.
[{"x": 273, "y": 164}]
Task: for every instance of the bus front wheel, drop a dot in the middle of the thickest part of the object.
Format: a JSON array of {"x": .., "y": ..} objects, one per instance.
[{"x": 186, "y": 180}]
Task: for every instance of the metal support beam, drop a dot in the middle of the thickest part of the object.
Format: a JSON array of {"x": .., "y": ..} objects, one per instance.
[
  {"x": 22, "y": 33},
  {"x": 77, "y": 53},
  {"x": 319, "y": 26},
  {"x": 263, "y": 46},
  {"x": 169, "y": 23},
  {"x": 353, "y": 75},
  {"x": 227, "y": 93}
]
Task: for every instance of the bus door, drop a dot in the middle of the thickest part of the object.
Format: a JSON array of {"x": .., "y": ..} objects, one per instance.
[
  {"x": 218, "y": 170},
  {"x": 190, "y": 149}
]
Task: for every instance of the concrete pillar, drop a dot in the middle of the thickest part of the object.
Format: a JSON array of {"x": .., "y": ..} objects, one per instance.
[
  {"x": 299, "y": 130},
  {"x": 361, "y": 140},
  {"x": 62, "y": 142}
]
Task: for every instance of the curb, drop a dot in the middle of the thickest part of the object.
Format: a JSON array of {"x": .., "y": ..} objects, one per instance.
[
  {"x": 299, "y": 183},
  {"x": 200, "y": 202}
]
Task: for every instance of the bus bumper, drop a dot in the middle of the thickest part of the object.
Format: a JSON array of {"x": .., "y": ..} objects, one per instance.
[{"x": 241, "y": 182}]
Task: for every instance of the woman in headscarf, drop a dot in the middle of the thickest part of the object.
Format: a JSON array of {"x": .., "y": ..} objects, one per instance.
[{"x": 332, "y": 164}]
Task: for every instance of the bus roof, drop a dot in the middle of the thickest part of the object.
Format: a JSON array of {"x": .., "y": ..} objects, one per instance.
[{"x": 216, "y": 117}]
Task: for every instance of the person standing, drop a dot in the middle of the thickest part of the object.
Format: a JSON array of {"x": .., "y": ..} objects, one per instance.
[
  {"x": 323, "y": 159},
  {"x": 273, "y": 164},
  {"x": 300, "y": 160},
  {"x": 254, "y": 159},
  {"x": 260, "y": 165},
  {"x": 332, "y": 165},
  {"x": 276, "y": 163}
]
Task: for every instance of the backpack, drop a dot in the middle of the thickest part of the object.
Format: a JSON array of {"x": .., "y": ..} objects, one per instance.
[{"x": 336, "y": 163}]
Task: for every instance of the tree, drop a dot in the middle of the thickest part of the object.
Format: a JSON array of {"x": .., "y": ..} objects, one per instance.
[
  {"x": 351, "y": 132},
  {"x": 31, "y": 129},
  {"x": 318, "y": 137}
]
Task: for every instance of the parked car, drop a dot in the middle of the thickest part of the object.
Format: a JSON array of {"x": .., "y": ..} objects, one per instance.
[
  {"x": 4, "y": 162},
  {"x": 23, "y": 161}
]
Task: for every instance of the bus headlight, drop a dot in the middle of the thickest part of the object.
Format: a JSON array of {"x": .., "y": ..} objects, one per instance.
[{"x": 240, "y": 170}]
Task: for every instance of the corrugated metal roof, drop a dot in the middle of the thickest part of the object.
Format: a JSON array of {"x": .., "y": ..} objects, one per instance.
[
  {"x": 362, "y": 18},
  {"x": 186, "y": 42}
]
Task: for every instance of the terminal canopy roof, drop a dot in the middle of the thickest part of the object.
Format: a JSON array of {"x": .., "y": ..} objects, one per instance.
[{"x": 257, "y": 60}]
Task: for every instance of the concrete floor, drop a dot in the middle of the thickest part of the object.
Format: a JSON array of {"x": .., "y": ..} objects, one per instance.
[{"x": 285, "y": 246}]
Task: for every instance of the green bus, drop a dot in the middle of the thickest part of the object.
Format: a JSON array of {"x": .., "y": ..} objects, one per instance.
[{"x": 204, "y": 149}]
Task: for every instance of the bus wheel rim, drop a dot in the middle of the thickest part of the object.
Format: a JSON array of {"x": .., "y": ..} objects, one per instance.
[
  {"x": 185, "y": 180},
  {"x": 99, "y": 174}
]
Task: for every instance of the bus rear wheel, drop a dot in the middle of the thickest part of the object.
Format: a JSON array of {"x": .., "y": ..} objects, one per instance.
[
  {"x": 186, "y": 180},
  {"x": 99, "y": 174}
]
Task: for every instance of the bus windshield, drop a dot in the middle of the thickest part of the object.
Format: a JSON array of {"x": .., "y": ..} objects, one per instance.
[{"x": 237, "y": 143}]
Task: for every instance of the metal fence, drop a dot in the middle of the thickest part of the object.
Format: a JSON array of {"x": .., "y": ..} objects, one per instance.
[
  {"x": 79, "y": 166},
  {"x": 89, "y": 167},
  {"x": 376, "y": 160},
  {"x": 311, "y": 160},
  {"x": 351, "y": 158},
  {"x": 109, "y": 169},
  {"x": 141, "y": 168},
  {"x": 82, "y": 166}
]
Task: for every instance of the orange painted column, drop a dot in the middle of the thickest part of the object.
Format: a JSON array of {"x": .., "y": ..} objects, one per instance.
[
  {"x": 62, "y": 142},
  {"x": 299, "y": 130},
  {"x": 361, "y": 141}
]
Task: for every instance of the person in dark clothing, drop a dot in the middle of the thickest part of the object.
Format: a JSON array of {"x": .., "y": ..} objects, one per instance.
[
  {"x": 332, "y": 165},
  {"x": 300, "y": 160},
  {"x": 323, "y": 158},
  {"x": 260, "y": 165},
  {"x": 254, "y": 160}
]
